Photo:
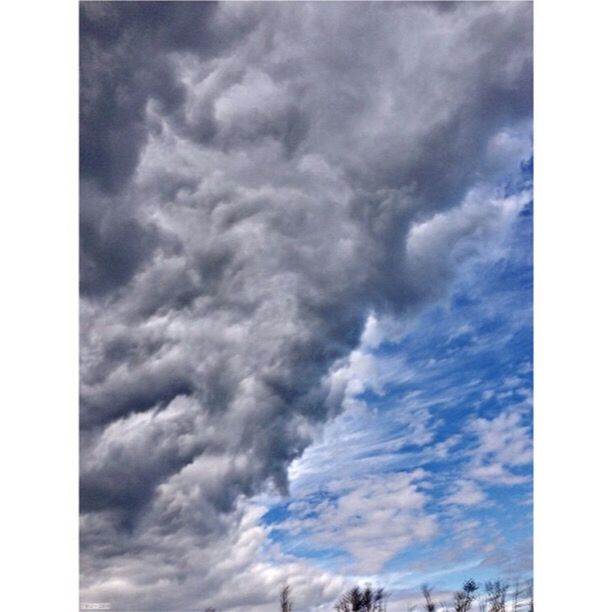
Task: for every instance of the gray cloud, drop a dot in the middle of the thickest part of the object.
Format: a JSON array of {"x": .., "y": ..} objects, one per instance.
[{"x": 250, "y": 173}]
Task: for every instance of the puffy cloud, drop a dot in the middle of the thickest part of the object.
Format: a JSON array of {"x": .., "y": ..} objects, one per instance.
[
  {"x": 504, "y": 443},
  {"x": 228, "y": 571},
  {"x": 251, "y": 179},
  {"x": 437, "y": 247},
  {"x": 466, "y": 493}
]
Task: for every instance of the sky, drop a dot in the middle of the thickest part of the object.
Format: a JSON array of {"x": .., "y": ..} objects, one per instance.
[{"x": 306, "y": 294}]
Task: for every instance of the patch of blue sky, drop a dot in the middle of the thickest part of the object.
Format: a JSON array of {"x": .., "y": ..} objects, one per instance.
[
  {"x": 451, "y": 398},
  {"x": 325, "y": 557}
]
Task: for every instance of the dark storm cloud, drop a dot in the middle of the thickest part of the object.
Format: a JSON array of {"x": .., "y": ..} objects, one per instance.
[
  {"x": 125, "y": 63},
  {"x": 250, "y": 173}
]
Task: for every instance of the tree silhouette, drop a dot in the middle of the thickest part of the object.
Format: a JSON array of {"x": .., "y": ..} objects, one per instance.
[
  {"x": 530, "y": 593},
  {"x": 430, "y": 606},
  {"x": 285, "y": 599},
  {"x": 465, "y": 597},
  {"x": 496, "y": 596},
  {"x": 362, "y": 600}
]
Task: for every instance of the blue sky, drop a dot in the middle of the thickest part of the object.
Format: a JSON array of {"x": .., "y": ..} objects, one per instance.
[{"x": 436, "y": 436}]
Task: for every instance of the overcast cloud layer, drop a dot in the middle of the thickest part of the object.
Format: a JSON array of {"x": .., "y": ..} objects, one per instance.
[{"x": 256, "y": 181}]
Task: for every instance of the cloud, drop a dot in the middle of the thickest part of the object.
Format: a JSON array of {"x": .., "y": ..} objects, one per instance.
[
  {"x": 250, "y": 174},
  {"x": 171, "y": 566},
  {"x": 437, "y": 247},
  {"x": 372, "y": 518},
  {"x": 466, "y": 493},
  {"x": 504, "y": 442}
]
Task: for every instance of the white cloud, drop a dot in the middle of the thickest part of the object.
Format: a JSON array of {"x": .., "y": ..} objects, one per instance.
[
  {"x": 504, "y": 443},
  {"x": 466, "y": 493},
  {"x": 373, "y": 518},
  {"x": 436, "y": 248}
]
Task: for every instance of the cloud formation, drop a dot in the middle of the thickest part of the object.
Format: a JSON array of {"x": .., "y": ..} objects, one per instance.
[
  {"x": 372, "y": 518},
  {"x": 250, "y": 176}
]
